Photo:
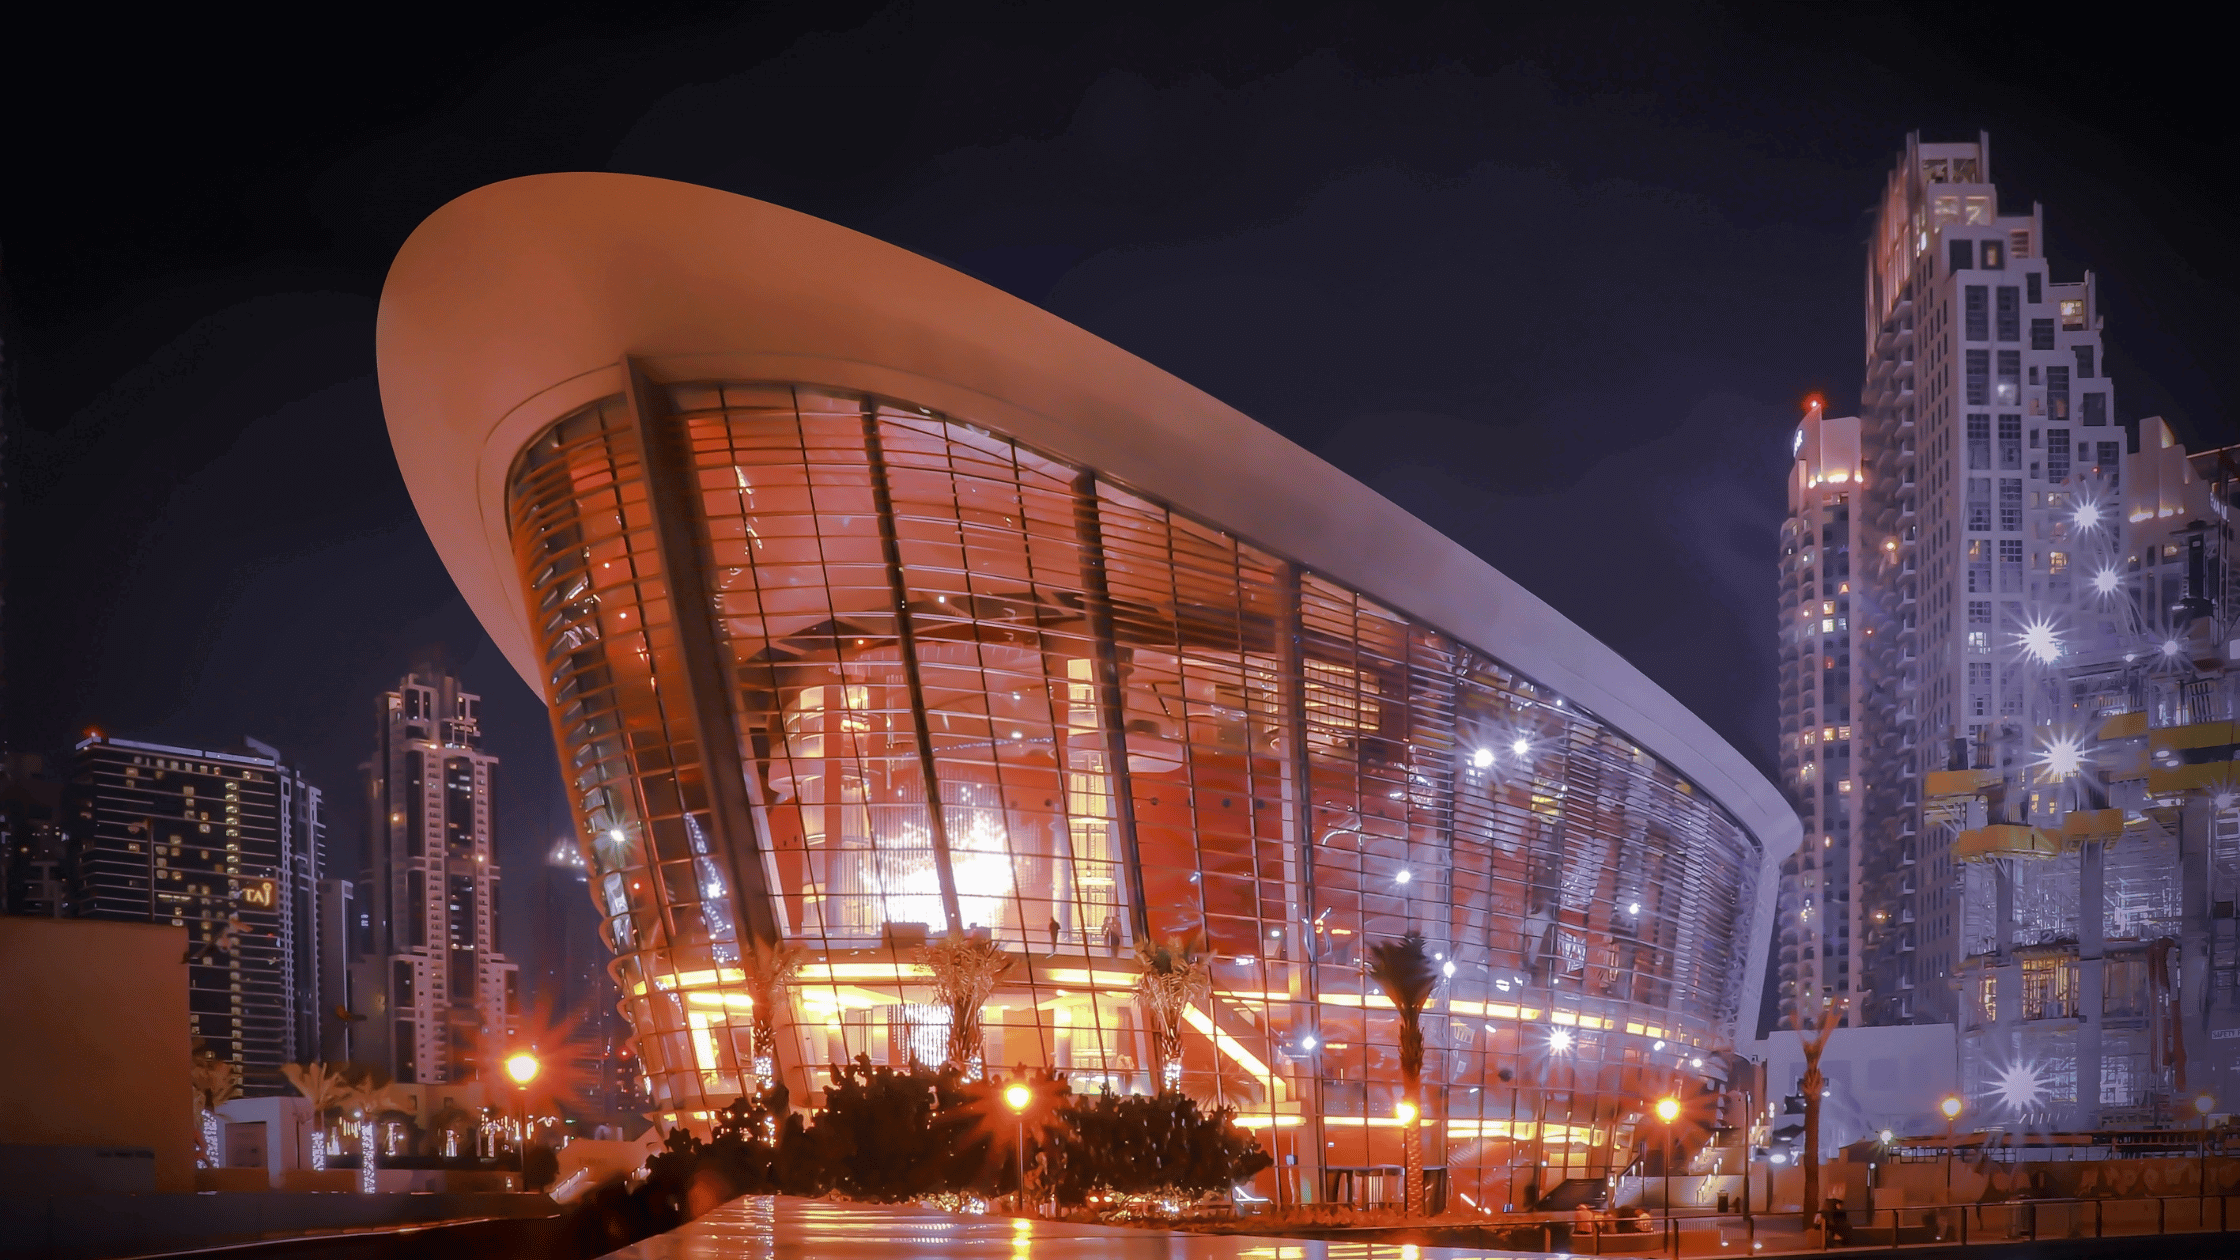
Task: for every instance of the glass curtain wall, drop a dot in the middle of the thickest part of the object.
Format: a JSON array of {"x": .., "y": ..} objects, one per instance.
[{"x": 979, "y": 689}]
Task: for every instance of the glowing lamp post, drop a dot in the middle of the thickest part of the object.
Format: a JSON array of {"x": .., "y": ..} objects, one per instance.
[
  {"x": 523, "y": 1067},
  {"x": 1668, "y": 1110},
  {"x": 2204, "y": 1104},
  {"x": 1951, "y": 1107},
  {"x": 1019, "y": 1097}
]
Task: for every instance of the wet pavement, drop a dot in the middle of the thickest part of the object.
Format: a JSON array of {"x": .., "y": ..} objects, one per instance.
[
  {"x": 812, "y": 1229},
  {"x": 815, "y": 1229}
]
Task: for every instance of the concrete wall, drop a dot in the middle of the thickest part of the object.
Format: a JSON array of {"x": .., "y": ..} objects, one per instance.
[
  {"x": 1878, "y": 1078},
  {"x": 1987, "y": 1181},
  {"x": 98, "y": 1054},
  {"x": 277, "y": 1128}
]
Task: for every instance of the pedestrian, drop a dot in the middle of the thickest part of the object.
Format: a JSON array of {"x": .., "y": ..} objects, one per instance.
[{"x": 1837, "y": 1222}]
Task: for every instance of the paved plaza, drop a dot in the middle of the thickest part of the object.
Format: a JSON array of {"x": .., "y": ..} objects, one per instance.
[{"x": 758, "y": 1228}]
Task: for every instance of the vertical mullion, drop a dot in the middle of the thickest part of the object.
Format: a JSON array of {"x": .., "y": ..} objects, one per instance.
[
  {"x": 666, "y": 460},
  {"x": 890, "y": 549},
  {"x": 1291, "y": 705},
  {"x": 1111, "y": 715}
]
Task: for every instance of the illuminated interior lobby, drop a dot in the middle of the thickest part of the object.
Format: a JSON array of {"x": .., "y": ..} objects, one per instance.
[{"x": 797, "y": 532}]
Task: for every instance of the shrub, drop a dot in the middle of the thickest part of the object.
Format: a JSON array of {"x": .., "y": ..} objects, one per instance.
[
  {"x": 891, "y": 1135},
  {"x": 539, "y": 1167},
  {"x": 759, "y": 1146},
  {"x": 1153, "y": 1145},
  {"x": 887, "y": 1135}
]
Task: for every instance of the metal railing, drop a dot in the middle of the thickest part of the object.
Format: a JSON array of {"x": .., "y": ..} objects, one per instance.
[{"x": 1893, "y": 1228}]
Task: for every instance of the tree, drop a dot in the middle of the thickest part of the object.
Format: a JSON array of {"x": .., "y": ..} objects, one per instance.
[
  {"x": 216, "y": 1082},
  {"x": 965, "y": 969},
  {"x": 323, "y": 1085},
  {"x": 1162, "y": 1145},
  {"x": 368, "y": 1097},
  {"x": 1831, "y": 1013},
  {"x": 1404, "y": 970},
  {"x": 1172, "y": 979},
  {"x": 887, "y": 1135},
  {"x": 756, "y": 1146},
  {"x": 769, "y": 969},
  {"x": 540, "y": 1167},
  {"x": 451, "y": 1130}
]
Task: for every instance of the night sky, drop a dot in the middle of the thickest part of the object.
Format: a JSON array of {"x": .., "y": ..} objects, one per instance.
[{"x": 1556, "y": 285}]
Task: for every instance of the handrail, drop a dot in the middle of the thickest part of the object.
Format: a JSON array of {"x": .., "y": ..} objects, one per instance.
[{"x": 2013, "y": 1215}]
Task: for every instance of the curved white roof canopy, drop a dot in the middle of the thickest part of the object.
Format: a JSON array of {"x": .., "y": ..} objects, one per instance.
[{"x": 517, "y": 302}]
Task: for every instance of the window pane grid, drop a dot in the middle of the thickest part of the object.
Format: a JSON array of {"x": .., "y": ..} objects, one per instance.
[{"x": 1587, "y": 901}]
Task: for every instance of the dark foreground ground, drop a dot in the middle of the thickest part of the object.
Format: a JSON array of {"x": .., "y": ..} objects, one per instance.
[{"x": 810, "y": 1229}]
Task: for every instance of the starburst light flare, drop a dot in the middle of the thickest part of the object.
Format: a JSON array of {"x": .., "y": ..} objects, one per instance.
[
  {"x": 2019, "y": 1086},
  {"x": 2062, "y": 756},
  {"x": 2161, "y": 641},
  {"x": 2107, "y": 580},
  {"x": 2039, "y": 640}
]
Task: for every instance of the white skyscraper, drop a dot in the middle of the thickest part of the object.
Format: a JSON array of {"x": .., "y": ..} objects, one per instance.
[
  {"x": 1983, "y": 414},
  {"x": 1814, "y": 944},
  {"x": 441, "y": 994}
]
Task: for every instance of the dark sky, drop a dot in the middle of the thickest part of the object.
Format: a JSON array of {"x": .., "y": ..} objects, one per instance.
[{"x": 1555, "y": 284}]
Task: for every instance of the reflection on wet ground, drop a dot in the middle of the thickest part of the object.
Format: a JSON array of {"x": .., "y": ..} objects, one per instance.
[{"x": 771, "y": 1229}]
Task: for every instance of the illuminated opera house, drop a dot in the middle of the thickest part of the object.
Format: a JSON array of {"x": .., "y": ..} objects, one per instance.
[{"x": 798, "y": 532}]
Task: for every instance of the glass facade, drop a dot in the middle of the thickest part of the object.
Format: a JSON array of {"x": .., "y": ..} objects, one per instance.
[{"x": 934, "y": 681}]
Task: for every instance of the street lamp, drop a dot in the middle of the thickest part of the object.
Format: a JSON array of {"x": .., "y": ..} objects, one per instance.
[
  {"x": 1951, "y": 1107},
  {"x": 1668, "y": 1110},
  {"x": 1749, "y": 1144},
  {"x": 2204, "y": 1104},
  {"x": 1018, "y": 1096},
  {"x": 523, "y": 1067}
]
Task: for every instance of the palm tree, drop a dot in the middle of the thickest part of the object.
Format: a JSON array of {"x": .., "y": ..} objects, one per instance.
[
  {"x": 325, "y": 1086},
  {"x": 964, "y": 974},
  {"x": 368, "y": 1098},
  {"x": 769, "y": 968},
  {"x": 1404, "y": 970},
  {"x": 1172, "y": 979},
  {"x": 216, "y": 1082},
  {"x": 1814, "y": 1085}
]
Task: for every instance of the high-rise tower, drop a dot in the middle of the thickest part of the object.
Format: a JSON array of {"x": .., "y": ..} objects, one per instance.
[
  {"x": 34, "y": 848},
  {"x": 1984, "y": 412},
  {"x": 1815, "y": 938},
  {"x": 228, "y": 846},
  {"x": 439, "y": 990}
]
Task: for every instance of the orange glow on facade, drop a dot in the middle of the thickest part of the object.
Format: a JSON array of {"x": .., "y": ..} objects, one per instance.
[{"x": 781, "y": 605}]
